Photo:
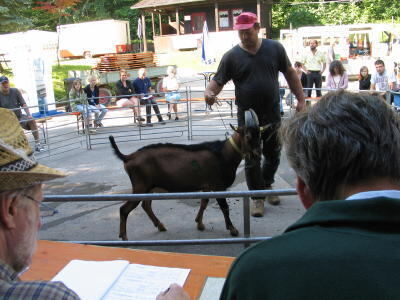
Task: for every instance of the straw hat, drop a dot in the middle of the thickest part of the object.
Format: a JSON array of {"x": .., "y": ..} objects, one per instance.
[{"x": 18, "y": 166}]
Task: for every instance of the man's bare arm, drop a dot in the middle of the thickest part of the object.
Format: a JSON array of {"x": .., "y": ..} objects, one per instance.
[
  {"x": 295, "y": 86},
  {"x": 212, "y": 90}
]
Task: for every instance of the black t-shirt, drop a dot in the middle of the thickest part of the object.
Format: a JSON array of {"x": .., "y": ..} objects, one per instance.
[
  {"x": 92, "y": 96},
  {"x": 365, "y": 84},
  {"x": 124, "y": 91},
  {"x": 255, "y": 76}
]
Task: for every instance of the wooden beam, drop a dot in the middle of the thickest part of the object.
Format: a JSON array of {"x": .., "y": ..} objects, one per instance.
[
  {"x": 178, "y": 25},
  {"x": 144, "y": 34},
  {"x": 152, "y": 24},
  {"x": 216, "y": 17}
]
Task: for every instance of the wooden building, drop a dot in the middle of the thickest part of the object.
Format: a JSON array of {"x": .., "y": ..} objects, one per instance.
[{"x": 178, "y": 24}]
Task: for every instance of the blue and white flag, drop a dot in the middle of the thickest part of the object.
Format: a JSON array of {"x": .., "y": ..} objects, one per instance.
[{"x": 206, "y": 53}]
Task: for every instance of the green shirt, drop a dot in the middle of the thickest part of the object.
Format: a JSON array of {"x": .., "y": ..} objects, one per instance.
[{"x": 344, "y": 249}]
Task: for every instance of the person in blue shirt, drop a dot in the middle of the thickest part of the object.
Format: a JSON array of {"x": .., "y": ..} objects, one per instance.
[{"x": 142, "y": 87}]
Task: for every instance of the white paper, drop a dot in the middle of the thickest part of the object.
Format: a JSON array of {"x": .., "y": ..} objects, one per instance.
[
  {"x": 95, "y": 280},
  {"x": 91, "y": 279},
  {"x": 142, "y": 282}
]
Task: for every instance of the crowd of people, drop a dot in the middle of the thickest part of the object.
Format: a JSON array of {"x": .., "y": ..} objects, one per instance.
[{"x": 343, "y": 150}]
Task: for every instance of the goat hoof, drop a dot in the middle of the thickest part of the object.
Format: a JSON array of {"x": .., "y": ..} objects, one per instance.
[
  {"x": 200, "y": 226},
  {"x": 234, "y": 231},
  {"x": 161, "y": 227}
]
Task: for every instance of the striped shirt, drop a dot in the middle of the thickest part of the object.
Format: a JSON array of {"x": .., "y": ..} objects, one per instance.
[{"x": 11, "y": 288}]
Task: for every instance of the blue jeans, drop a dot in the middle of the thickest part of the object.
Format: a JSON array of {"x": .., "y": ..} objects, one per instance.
[{"x": 87, "y": 110}]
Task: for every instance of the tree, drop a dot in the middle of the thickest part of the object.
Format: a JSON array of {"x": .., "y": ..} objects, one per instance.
[
  {"x": 58, "y": 9},
  {"x": 11, "y": 16}
]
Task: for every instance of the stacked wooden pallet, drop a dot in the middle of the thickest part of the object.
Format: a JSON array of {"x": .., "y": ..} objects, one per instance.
[{"x": 116, "y": 62}]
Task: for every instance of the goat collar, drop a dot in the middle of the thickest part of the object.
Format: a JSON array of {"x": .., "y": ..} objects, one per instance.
[{"x": 235, "y": 146}]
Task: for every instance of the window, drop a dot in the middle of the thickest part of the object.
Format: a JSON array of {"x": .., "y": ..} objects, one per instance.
[{"x": 224, "y": 19}]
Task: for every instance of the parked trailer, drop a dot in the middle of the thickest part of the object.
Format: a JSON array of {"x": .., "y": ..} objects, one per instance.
[{"x": 94, "y": 38}]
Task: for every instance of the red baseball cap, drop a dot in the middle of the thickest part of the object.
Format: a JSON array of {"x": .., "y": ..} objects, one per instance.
[{"x": 245, "y": 20}]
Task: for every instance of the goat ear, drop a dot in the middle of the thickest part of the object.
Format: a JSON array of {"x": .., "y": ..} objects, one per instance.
[
  {"x": 233, "y": 128},
  {"x": 265, "y": 127}
]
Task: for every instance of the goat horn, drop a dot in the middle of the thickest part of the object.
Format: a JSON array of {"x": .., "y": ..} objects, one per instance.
[{"x": 250, "y": 118}]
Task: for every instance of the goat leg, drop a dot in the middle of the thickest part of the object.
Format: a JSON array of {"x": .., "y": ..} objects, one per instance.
[
  {"x": 149, "y": 211},
  {"x": 199, "y": 217},
  {"x": 124, "y": 211},
  {"x": 225, "y": 210}
]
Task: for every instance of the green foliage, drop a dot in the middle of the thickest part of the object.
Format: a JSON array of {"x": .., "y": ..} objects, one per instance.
[
  {"x": 59, "y": 73},
  {"x": 12, "y": 16},
  {"x": 364, "y": 11}
]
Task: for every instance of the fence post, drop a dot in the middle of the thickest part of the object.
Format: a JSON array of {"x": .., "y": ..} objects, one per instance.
[
  {"x": 189, "y": 111},
  {"x": 246, "y": 219}
]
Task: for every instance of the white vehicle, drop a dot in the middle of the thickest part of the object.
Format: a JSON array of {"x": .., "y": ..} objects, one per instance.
[
  {"x": 356, "y": 45},
  {"x": 94, "y": 38}
]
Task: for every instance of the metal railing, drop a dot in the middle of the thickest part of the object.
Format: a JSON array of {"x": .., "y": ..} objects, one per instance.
[{"x": 245, "y": 195}]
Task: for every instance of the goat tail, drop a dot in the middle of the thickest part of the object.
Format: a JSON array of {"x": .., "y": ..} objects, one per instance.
[{"x": 118, "y": 153}]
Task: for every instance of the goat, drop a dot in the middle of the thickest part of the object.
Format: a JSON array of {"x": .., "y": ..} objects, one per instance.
[{"x": 208, "y": 166}]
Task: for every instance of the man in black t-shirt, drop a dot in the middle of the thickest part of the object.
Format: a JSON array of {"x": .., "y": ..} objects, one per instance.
[{"x": 253, "y": 65}]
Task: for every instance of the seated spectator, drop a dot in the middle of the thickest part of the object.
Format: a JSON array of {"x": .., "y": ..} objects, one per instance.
[
  {"x": 92, "y": 92},
  {"x": 382, "y": 80},
  {"x": 170, "y": 85},
  {"x": 364, "y": 79},
  {"x": 337, "y": 77},
  {"x": 345, "y": 153},
  {"x": 298, "y": 66},
  {"x": 78, "y": 101},
  {"x": 11, "y": 98},
  {"x": 291, "y": 99},
  {"x": 142, "y": 86},
  {"x": 125, "y": 91},
  {"x": 21, "y": 196}
]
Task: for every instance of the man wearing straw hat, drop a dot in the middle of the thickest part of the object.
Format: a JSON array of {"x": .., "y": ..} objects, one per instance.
[
  {"x": 21, "y": 179},
  {"x": 21, "y": 195},
  {"x": 11, "y": 98}
]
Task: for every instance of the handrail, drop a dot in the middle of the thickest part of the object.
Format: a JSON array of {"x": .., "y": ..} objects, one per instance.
[{"x": 169, "y": 196}]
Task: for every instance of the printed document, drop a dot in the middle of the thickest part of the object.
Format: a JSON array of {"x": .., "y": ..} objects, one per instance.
[{"x": 95, "y": 280}]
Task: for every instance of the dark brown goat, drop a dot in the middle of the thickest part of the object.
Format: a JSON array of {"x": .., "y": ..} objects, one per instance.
[{"x": 209, "y": 166}]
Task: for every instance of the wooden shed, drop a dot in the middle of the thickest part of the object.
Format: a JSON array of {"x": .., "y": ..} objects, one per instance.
[{"x": 178, "y": 24}]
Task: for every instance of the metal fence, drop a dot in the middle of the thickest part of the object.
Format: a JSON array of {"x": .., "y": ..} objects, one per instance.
[{"x": 245, "y": 195}]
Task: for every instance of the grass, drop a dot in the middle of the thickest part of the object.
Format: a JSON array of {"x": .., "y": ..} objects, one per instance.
[{"x": 59, "y": 73}]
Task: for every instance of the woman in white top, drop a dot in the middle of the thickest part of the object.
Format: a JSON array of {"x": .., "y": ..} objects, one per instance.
[
  {"x": 170, "y": 85},
  {"x": 337, "y": 77}
]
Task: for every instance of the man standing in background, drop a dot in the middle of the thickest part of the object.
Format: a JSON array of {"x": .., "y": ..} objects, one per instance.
[{"x": 314, "y": 63}]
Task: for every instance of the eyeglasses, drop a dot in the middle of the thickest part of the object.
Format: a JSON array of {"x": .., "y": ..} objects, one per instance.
[{"x": 41, "y": 204}]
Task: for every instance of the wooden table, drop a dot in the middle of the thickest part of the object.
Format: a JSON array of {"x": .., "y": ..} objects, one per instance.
[{"x": 51, "y": 257}]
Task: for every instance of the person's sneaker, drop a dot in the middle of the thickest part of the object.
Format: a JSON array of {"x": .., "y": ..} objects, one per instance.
[
  {"x": 39, "y": 147},
  {"x": 140, "y": 119},
  {"x": 149, "y": 125},
  {"x": 176, "y": 118},
  {"x": 161, "y": 122},
  {"x": 257, "y": 210},
  {"x": 169, "y": 115}
]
